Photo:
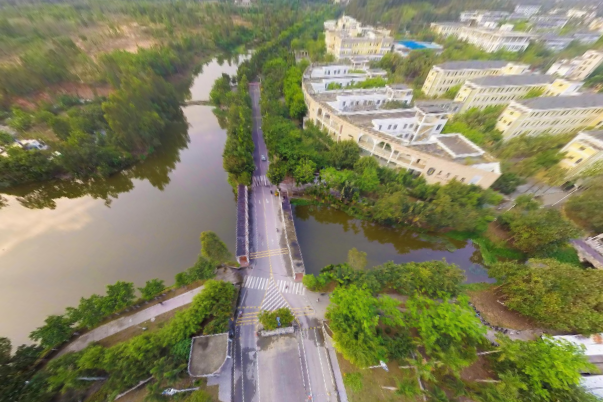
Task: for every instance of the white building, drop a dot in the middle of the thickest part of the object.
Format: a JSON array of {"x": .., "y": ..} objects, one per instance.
[
  {"x": 490, "y": 40},
  {"x": 347, "y": 38},
  {"x": 578, "y": 68},
  {"x": 481, "y": 17},
  {"x": 527, "y": 10}
]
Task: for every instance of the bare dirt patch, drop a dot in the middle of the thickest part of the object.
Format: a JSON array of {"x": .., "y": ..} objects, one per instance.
[
  {"x": 140, "y": 395},
  {"x": 128, "y": 36},
  {"x": 480, "y": 370},
  {"x": 486, "y": 302}
]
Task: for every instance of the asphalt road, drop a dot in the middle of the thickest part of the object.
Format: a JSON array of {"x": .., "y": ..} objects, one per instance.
[{"x": 286, "y": 368}]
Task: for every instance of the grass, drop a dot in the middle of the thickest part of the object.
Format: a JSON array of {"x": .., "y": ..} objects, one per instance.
[
  {"x": 131, "y": 332},
  {"x": 302, "y": 202},
  {"x": 365, "y": 385}
]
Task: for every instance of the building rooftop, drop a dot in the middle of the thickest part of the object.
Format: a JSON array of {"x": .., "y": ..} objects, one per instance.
[
  {"x": 458, "y": 144},
  {"x": 512, "y": 80},
  {"x": 208, "y": 354},
  {"x": 598, "y": 134},
  {"x": 564, "y": 102},
  {"x": 472, "y": 64}
]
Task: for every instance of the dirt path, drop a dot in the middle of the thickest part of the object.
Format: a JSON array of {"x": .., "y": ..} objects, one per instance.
[{"x": 120, "y": 324}]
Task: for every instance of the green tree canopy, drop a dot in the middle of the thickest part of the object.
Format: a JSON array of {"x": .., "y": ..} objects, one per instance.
[
  {"x": 541, "y": 370},
  {"x": 213, "y": 248},
  {"x": 152, "y": 288},
  {"x": 560, "y": 296},
  {"x": 353, "y": 317}
]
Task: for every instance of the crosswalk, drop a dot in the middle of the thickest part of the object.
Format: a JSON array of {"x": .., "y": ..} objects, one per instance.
[
  {"x": 255, "y": 282},
  {"x": 273, "y": 299},
  {"x": 260, "y": 181},
  {"x": 296, "y": 288},
  {"x": 283, "y": 286}
]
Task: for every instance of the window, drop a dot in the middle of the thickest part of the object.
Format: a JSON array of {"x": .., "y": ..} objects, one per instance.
[
  {"x": 582, "y": 148},
  {"x": 430, "y": 171},
  {"x": 578, "y": 161},
  {"x": 389, "y": 127}
]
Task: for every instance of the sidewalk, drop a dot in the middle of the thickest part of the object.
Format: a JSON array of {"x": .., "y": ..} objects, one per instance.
[{"x": 120, "y": 324}]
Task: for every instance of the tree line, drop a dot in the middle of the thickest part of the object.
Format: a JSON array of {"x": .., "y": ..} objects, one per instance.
[{"x": 435, "y": 338}]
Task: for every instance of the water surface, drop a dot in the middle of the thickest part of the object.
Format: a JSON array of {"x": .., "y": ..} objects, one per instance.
[
  {"x": 326, "y": 235},
  {"x": 63, "y": 240}
]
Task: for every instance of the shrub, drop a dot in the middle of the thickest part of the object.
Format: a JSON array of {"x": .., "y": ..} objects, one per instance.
[
  {"x": 353, "y": 381},
  {"x": 151, "y": 288},
  {"x": 268, "y": 318}
]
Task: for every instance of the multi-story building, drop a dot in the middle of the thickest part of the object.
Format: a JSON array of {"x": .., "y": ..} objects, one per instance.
[
  {"x": 503, "y": 89},
  {"x": 583, "y": 152},
  {"x": 578, "y": 68},
  {"x": 444, "y": 76},
  {"x": 557, "y": 42},
  {"x": 346, "y": 38},
  {"x": 551, "y": 114},
  {"x": 481, "y": 17},
  {"x": 489, "y": 40},
  {"x": 399, "y": 135},
  {"x": 527, "y": 10},
  {"x": 548, "y": 22}
]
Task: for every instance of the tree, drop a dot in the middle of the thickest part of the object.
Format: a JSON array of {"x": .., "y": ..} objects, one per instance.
[
  {"x": 353, "y": 317},
  {"x": 5, "y": 351},
  {"x": 449, "y": 332},
  {"x": 20, "y": 121},
  {"x": 560, "y": 296},
  {"x": 357, "y": 259},
  {"x": 152, "y": 288},
  {"x": 56, "y": 330},
  {"x": 119, "y": 296},
  {"x": 213, "y": 248},
  {"x": 6, "y": 138},
  {"x": 587, "y": 207},
  {"x": 304, "y": 171},
  {"x": 451, "y": 93},
  {"x": 203, "y": 269},
  {"x": 344, "y": 154},
  {"x": 545, "y": 368},
  {"x": 508, "y": 182},
  {"x": 60, "y": 126},
  {"x": 538, "y": 231},
  {"x": 90, "y": 312},
  {"x": 269, "y": 321}
]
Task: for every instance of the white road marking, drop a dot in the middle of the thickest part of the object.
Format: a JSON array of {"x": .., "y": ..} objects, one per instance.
[
  {"x": 320, "y": 360},
  {"x": 306, "y": 358},
  {"x": 296, "y": 288}
]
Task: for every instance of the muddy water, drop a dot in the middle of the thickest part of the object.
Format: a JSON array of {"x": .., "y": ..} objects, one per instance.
[
  {"x": 326, "y": 235},
  {"x": 61, "y": 241}
]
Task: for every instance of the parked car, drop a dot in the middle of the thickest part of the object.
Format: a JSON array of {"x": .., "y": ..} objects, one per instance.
[{"x": 263, "y": 158}]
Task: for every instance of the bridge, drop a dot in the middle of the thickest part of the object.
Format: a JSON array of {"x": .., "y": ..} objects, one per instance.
[
  {"x": 197, "y": 102},
  {"x": 290, "y": 367}
]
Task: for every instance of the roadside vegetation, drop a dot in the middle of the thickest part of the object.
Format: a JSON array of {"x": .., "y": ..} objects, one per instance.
[
  {"x": 99, "y": 106},
  {"x": 162, "y": 353}
]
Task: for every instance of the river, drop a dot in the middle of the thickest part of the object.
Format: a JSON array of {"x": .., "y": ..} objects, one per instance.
[{"x": 61, "y": 241}]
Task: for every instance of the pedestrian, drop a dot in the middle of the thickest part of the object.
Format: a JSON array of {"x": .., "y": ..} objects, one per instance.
[{"x": 317, "y": 300}]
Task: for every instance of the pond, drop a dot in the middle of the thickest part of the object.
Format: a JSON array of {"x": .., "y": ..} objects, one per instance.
[{"x": 326, "y": 235}]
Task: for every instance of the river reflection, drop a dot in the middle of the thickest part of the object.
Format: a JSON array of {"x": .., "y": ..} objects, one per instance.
[
  {"x": 326, "y": 235},
  {"x": 63, "y": 240}
]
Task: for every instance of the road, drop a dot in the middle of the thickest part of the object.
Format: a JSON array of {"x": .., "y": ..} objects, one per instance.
[
  {"x": 120, "y": 324},
  {"x": 286, "y": 368}
]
